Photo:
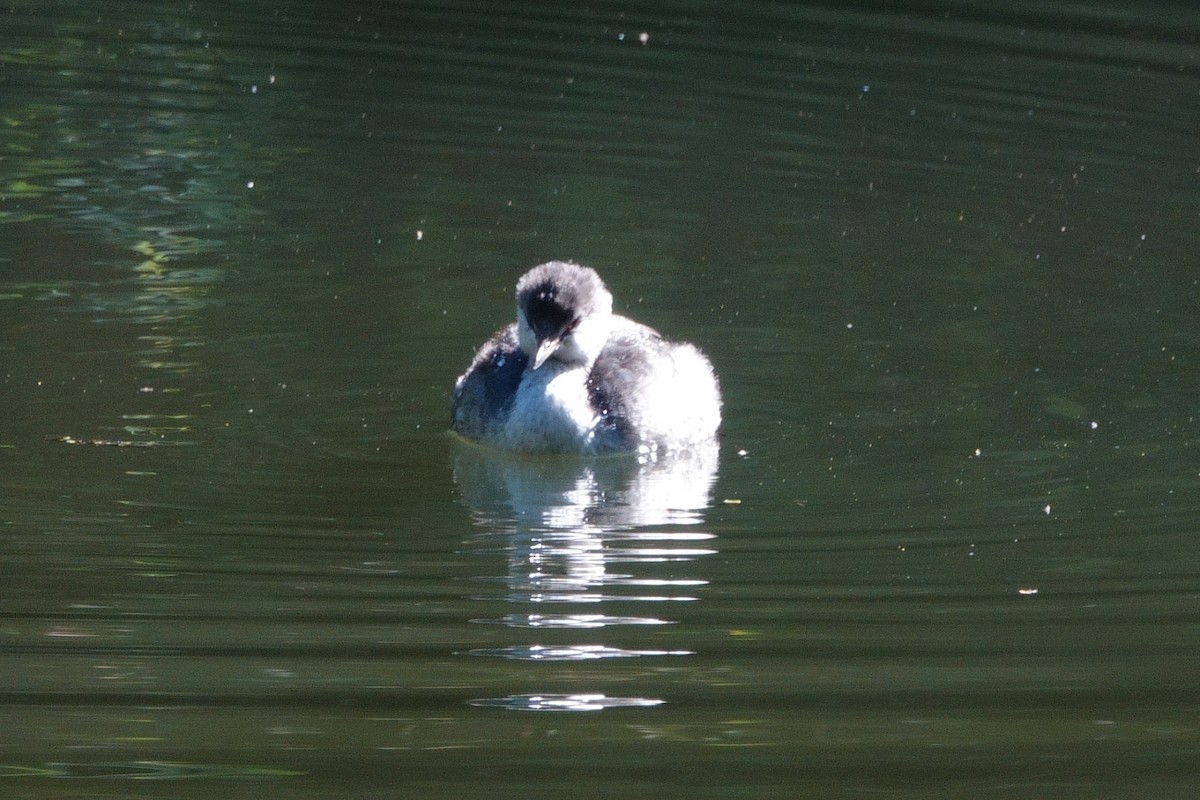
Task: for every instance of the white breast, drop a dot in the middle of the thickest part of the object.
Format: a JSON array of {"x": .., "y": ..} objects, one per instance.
[{"x": 551, "y": 412}]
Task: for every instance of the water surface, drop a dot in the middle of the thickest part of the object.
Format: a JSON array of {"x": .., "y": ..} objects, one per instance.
[{"x": 943, "y": 260}]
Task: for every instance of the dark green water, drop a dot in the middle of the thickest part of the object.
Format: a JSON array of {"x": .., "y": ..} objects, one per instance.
[{"x": 943, "y": 258}]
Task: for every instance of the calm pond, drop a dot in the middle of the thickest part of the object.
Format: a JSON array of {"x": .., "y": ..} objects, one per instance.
[{"x": 942, "y": 255}]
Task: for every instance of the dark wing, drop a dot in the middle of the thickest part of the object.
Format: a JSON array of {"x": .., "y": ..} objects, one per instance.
[
  {"x": 615, "y": 383},
  {"x": 483, "y": 396}
]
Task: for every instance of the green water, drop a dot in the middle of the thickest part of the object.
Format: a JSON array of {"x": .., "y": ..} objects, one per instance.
[{"x": 942, "y": 259}]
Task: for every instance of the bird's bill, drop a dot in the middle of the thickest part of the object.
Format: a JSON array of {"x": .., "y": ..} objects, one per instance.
[{"x": 546, "y": 348}]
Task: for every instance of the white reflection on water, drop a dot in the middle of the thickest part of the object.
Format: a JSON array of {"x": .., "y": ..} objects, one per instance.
[
  {"x": 584, "y": 652},
  {"x": 596, "y": 532},
  {"x": 565, "y": 702},
  {"x": 569, "y": 621}
]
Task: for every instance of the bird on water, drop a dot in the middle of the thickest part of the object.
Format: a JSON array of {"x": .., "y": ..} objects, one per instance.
[{"x": 570, "y": 376}]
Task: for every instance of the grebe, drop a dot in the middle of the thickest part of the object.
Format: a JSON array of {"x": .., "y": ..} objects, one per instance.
[{"x": 570, "y": 376}]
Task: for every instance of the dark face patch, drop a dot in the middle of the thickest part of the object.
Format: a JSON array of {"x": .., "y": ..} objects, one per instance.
[
  {"x": 557, "y": 295},
  {"x": 549, "y": 313}
]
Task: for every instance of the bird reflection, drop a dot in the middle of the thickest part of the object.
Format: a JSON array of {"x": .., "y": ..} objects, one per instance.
[
  {"x": 513, "y": 491},
  {"x": 580, "y": 537}
]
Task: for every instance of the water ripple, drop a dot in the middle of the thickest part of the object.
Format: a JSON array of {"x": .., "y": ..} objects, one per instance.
[
  {"x": 564, "y": 702},
  {"x": 581, "y": 652}
]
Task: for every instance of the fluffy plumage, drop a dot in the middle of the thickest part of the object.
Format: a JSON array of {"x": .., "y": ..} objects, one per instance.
[{"x": 572, "y": 377}]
